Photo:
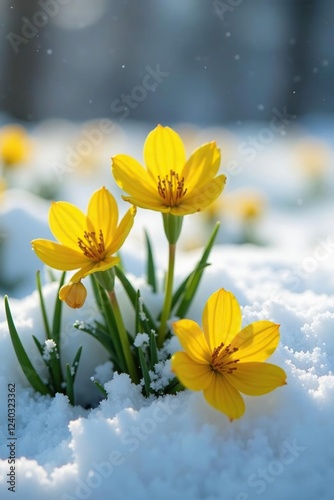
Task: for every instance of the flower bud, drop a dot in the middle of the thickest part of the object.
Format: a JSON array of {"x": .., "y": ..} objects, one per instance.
[{"x": 74, "y": 294}]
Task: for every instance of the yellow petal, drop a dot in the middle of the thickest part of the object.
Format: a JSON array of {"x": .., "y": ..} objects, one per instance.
[
  {"x": 103, "y": 214},
  {"x": 200, "y": 198},
  {"x": 257, "y": 341},
  {"x": 224, "y": 397},
  {"x": 134, "y": 179},
  {"x": 221, "y": 318},
  {"x": 192, "y": 340},
  {"x": 202, "y": 166},
  {"x": 122, "y": 231},
  {"x": 67, "y": 223},
  {"x": 93, "y": 267},
  {"x": 181, "y": 210},
  {"x": 255, "y": 379},
  {"x": 147, "y": 202},
  {"x": 163, "y": 152},
  {"x": 58, "y": 256},
  {"x": 192, "y": 375}
]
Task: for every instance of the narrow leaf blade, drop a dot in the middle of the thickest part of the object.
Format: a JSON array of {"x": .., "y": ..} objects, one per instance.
[
  {"x": 132, "y": 294},
  {"x": 57, "y": 315},
  {"x": 194, "y": 280},
  {"x": 26, "y": 365},
  {"x": 69, "y": 384},
  {"x": 42, "y": 303},
  {"x": 150, "y": 269},
  {"x": 144, "y": 370}
]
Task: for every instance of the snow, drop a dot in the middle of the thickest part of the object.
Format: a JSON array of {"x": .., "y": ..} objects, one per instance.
[
  {"x": 49, "y": 346},
  {"x": 127, "y": 446},
  {"x": 141, "y": 339}
]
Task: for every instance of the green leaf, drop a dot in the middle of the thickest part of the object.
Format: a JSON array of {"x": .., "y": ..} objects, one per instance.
[
  {"x": 75, "y": 363},
  {"x": 121, "y": 262},
  {"x": 142, "y": 325},
  {"x": 51, "y": 274},
  {"x": 98, "y": 334},
  {"x": 55, "y": 370},
  {"x": 174, "y": 386},
  {"x": 42, "y": 303},
  {"x": 38, "y": 345},
  {"x": 104, "y": 305},
  {"x": 150, "y": 270},
  {"x": 101, "y": 326},
  {"x": 153, "y": 349},
  {"x": 138, "y": 322},
  {"x": 144, "y": 370},
  {"x": 101, "y": 388},
  {"x": 195, "y": 277},
  {"x": 56, "y": 325},
  {"x": 180, "y": 290},
  {"x": 69, "y": 384},
  {"x": 71, "y": 372},
  {"x": 132, "y": 294},
  {"x": 54, "y": 363},
  {"x": 25, "y": 363}
]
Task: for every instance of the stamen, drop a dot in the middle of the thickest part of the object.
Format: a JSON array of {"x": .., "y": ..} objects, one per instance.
[
  {"x": 171, "y": 188},
  {"x": 221, "y": 359},
  {"x": 92, "y": 248},
  {"x": 217, "y": 350}
]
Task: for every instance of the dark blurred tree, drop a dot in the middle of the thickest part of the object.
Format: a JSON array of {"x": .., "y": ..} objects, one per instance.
[
  {"x": 20, "y": 58},
  {"x": 239, "y": 65},
  {"x": 303, "y": 17}
]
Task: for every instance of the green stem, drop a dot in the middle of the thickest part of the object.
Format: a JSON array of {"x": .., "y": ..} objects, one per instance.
[
  {"x": 168, "y": 295},
  {"x": 123, "y": 336}
]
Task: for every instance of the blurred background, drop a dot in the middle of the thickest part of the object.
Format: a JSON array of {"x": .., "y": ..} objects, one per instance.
[{"x": 222, "y": 60}]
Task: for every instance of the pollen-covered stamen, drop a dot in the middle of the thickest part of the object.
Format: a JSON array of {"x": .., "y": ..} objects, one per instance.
[
  {"x": 221, "y": 359},
  {"x": 171, "y": 188},
  {"x": 92, "y": 247}
]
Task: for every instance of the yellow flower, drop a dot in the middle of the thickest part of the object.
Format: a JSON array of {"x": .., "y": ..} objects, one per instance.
[
  {"x": 87, "y": 242},
  {"x": 170, "y": 184},
  {"x": 15, "y": 145},
  {"x": 243, "y": 204},
  {"x": 223, "y": 360},
  {"x": 313, "y": 157},
  {"x": 74, "y": 294}
]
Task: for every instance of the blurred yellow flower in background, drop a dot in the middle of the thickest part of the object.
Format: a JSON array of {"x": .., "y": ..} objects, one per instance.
[
  {"x": 15, "y": 145},
  {"x": 3, "y": 185},
  {"x": 170, "y": 183},
  {"x": 223, "y": 360},
  {"x": 87, "y": 243},
  {"x": 242, "y": 204},
  {"x": 313, "y": 157}
]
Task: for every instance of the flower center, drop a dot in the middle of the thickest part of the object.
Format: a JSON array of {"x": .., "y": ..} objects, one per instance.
[
  {"x": 91, "y": 247},
  {"x": 221, "y": 359},
  {"x": 171, "y": 188}
]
